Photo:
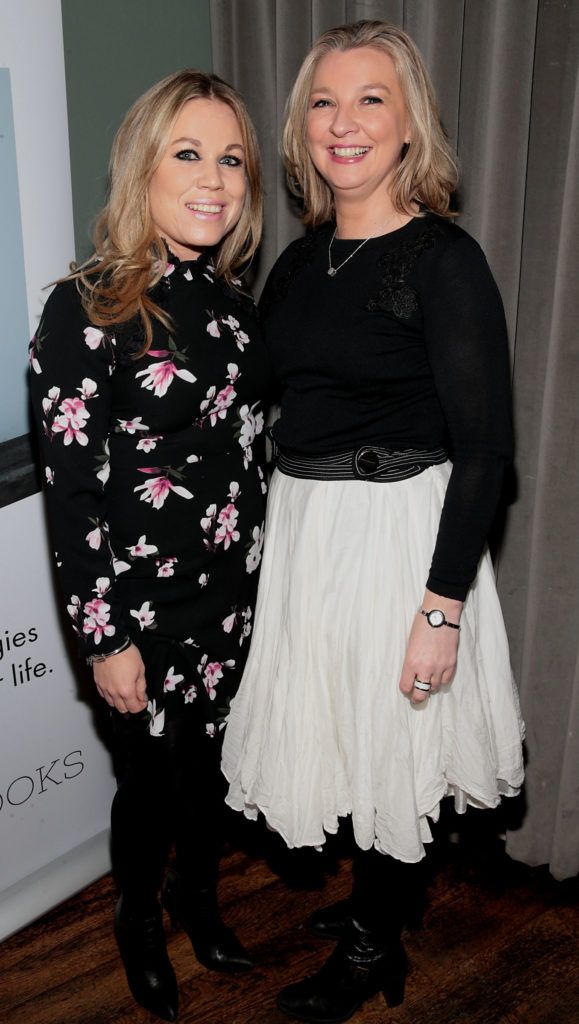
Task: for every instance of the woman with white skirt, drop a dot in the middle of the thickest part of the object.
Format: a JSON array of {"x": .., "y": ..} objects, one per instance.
[{"x": 378, "y": 680}]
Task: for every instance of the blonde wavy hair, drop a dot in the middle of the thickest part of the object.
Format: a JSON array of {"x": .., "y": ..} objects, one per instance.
[
  {"x": 428, "y": 170},
  {"x": 129, "y": 255}
]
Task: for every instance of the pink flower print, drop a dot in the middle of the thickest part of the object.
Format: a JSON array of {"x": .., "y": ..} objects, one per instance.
[
  {"x": 213, "y": 673},
  {"x": 210, "y": 729},
  {"x": 191, "y": 694},
  {"x": 232, "y": 372},
  {"x": 103, "y": 585},
  {"x": 131, "y": 426},
  {"x": 231, "y": 322},
  {"x": 103, "y": 470},
  {"x": 144, "y": 615},
  {"x": 246, "y": 628},
  {"x": 32, "y": 357},
  {"x": 157, "y": 720},
  {"x": 96, "y": 621},
  {"x": 251, "y": 426},
  {"x": 223, "y": 400},
  {"x": 71, "y": 421},
  {"x": 50, "y": 400},
  {"x": 120, "y": 566},
  {"x": 229, "y": 622},
  {"x": 49, "y": 475},
  {"x": 203, "y": 579},
  {"x": 213, "y": 329},
  {"x": 73, "y": 608},
  {"x": 254, "y": 554},
  {"x": 88, "y": 389},
  {"x": 227, "y": 532},
  {"x": 93, "y": 337},
  {"x": 141, "y": 549},
  {"x": 191, "y": 642},
  {"x": 168, "y": 270},
  {"x": 156, "y": 491},
  {"x": 166, "y": 566},
  {"x": 147, "y": 444},
  {"x": 209, "y": 395},
  {"x": 171, "y": 680},
  {"x": 94, "y": 538},
  {"x": 207, "y": 521},
  {"x": 241, "y": 340},
  {"x": 262, "y": 479},
  {"x": 234, "y": 490},
  {"x": 158, "y": 377}
]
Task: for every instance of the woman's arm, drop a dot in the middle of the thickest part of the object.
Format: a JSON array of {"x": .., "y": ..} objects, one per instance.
[
  {"x": 466, "y": 341},
  {"x": 71, "y": 368}
]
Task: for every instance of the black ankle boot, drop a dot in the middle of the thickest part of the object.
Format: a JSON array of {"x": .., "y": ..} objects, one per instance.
[
  {"x": 358, "y": 968},
  {"x": 151, "y": 977},
  {"x": 333, "y": 922},
  {"x": 197, "y": 911}
]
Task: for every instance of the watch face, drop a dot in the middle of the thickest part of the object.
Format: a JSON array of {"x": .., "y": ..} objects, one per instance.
[{"x": 436, "y": 617}]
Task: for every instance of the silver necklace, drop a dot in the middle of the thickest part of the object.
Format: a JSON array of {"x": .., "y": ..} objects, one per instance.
[{"x": 332, "y": 271}]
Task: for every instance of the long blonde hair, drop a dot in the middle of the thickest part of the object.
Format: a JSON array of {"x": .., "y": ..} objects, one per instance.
[
  {"x": 130, "y": 256},
  {"x": 428, "y": 170}
]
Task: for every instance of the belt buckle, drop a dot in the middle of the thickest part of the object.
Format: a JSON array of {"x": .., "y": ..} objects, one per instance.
[{"x": 366, "y": 463}]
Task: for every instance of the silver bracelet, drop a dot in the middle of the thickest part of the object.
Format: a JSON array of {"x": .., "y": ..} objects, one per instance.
[{"x": 103, "y": 657}]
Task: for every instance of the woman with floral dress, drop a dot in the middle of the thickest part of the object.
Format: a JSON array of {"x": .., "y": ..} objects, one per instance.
[{"x": 147, "y": 375}]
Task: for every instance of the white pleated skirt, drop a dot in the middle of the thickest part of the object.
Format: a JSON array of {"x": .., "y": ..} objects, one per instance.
[{"x": 319, "y": 728}]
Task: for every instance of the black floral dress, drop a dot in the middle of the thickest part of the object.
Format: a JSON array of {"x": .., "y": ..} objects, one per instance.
[{"x": 155, "y": 482}]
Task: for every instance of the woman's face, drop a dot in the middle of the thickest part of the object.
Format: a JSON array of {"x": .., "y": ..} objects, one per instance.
[
  {"x": 357, "y": 123},
  {"x": 196, "y": 193}
]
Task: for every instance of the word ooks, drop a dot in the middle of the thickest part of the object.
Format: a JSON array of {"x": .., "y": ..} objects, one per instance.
[{"x": 61, "y": 770}]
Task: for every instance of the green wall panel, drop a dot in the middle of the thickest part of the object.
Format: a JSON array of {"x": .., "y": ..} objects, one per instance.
[{"x": 114, "y": 50}]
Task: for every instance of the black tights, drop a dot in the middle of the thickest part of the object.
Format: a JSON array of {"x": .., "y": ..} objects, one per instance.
[
  {"x": 386, "y": 893},
  {"x": 170, "y": 789}
]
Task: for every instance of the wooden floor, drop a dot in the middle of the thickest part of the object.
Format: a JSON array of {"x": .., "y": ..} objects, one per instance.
[{"x": 499, "y": 943}]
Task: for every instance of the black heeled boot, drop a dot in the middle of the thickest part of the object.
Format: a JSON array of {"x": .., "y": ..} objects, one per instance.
[
  {"x": 196, "y": 910},
  {"x": 358, "y": 968},
  {"x": 333, "y": 922},
  {"x": 396, "y": 887},
  {"x": 151, "y": 978}
]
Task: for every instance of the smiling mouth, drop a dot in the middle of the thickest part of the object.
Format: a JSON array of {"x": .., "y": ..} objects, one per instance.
[
  {"x": 205, "y": 207},
  {"x": 349, "y": 151}
]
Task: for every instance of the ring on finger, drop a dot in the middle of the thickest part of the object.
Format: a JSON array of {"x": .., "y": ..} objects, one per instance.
[{"x": 420, "y": 684}]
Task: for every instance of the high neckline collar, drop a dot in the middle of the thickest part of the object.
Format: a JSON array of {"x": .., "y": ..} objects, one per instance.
[{"x": 188, "y": 268}]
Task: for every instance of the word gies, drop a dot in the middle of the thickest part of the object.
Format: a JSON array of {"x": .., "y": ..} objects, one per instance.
[{"x": 10, "y": 640}]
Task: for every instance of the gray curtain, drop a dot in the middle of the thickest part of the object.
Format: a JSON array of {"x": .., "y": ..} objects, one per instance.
[{"x": 506, "y": 72}]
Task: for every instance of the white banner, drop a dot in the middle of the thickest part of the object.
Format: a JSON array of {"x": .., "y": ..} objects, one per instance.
[{"x": 56, "y": 781}]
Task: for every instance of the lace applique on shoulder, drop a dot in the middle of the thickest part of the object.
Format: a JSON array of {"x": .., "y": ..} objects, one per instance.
[
  {"x": 395, "y": 295},
  {"x": 303, "y": 253}
]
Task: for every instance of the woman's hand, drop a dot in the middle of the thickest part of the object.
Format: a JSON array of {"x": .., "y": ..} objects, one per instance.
[
  {"x": 431, "y": 653},
  {"x": 120, "y": 680}
]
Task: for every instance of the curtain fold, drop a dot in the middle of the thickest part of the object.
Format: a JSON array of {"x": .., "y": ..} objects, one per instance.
[{"x": 507, "y": 80}]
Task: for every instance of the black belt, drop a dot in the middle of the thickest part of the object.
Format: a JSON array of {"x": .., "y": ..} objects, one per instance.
[{"x": 371, "y": 462}]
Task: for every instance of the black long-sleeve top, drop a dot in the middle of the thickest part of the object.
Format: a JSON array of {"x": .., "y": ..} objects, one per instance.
[{"x": 405, "y": 347}]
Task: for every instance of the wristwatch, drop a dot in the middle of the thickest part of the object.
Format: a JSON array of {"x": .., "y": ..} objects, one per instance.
[{"x": 435, "y": 618}]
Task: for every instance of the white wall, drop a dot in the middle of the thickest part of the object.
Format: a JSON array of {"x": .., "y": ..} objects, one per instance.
[{"x": 31, "y": 48}]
